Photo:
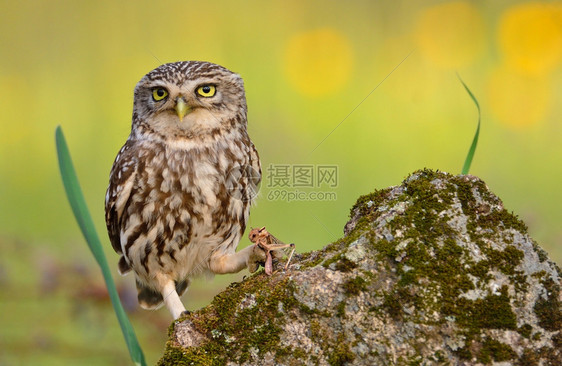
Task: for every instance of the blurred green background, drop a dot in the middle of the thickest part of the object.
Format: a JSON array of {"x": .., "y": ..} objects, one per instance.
[{"x": 306, "y": 66}]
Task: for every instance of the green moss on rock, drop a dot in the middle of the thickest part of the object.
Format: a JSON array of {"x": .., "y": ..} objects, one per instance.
[
  {"x": 493, "y": 312},
  {"x": 548, "y": 308},
  {"x": 355, "y": 285},
  {"x": 341, "y": 355},
  {"x": 341, "y": 263},
  {"x": 496, "y": 351}
]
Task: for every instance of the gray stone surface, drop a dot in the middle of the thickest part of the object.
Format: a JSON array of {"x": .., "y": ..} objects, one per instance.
[{"x": 432, "y": 272}]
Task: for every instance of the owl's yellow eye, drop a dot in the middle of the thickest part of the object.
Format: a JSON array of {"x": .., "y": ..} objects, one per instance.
[
  {"x": 206, "y": 91},
  {"x": 159, "y": 93}
]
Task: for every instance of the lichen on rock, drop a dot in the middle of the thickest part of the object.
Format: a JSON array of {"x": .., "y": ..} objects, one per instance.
[{"x": 432, "y": 272}]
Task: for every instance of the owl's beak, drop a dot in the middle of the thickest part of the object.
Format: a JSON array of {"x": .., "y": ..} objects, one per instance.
[{"x": 181, "y": 108}]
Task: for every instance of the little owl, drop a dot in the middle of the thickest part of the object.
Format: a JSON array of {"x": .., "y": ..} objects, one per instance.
[{"x": 181, "y": 187}]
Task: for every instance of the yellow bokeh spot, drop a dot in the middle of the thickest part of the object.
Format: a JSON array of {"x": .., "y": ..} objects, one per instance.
[
  {"x": 530, "y": 35},
  {"x": 452, "y": 34},
  {"x": 318, "y": 62},
  {"x": 518, "y": 100}
]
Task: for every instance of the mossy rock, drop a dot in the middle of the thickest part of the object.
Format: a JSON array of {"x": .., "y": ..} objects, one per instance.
[{"x": 432, "y": 272}]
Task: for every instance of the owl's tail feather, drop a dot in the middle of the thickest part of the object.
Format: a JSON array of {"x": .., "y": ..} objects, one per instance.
[{"x": 151, "y": 299}]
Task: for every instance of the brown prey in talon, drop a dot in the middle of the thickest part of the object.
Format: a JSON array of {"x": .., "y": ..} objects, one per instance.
[{"x": 269, "y": 243}]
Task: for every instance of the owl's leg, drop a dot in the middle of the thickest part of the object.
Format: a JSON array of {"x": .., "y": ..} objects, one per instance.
[
  {"x": 171, "y": 298},
  {"x": 249, "y": 257}
]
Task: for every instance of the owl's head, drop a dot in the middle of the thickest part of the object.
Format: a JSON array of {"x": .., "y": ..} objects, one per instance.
[{"x": 189, "y": 98}]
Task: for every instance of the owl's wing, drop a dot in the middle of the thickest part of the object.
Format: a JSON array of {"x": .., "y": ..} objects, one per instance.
[
  {"x": 121, "y": 181},
  {"x": 255, "y": 164}
]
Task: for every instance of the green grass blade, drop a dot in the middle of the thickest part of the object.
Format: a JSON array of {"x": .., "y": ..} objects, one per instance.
[
  {"x": 470, "y": 155},
  {"x": 84, "y": 219}
]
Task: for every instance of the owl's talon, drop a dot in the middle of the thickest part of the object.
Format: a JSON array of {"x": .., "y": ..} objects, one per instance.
[
  {"x": 257, "y": 257},
  {"x": 185, "y": 313}
]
